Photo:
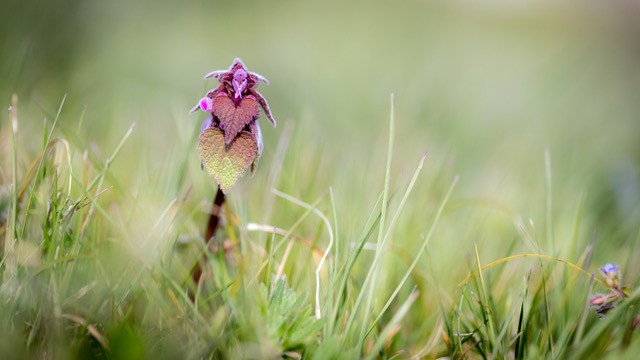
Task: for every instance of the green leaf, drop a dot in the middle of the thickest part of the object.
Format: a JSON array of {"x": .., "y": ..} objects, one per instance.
[{"x": 226, "y": 162}]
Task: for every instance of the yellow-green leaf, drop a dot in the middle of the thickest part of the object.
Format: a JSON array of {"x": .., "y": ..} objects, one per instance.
[{"x": 226, "y": 162}]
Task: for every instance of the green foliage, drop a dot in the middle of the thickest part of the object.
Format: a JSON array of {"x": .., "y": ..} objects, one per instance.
[
  {"x": 289, "y": 317},
  {"x": 533, "y": 109},
  {"x": 76, "y": 286}
]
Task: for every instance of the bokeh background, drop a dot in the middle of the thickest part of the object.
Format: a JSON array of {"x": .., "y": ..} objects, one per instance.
[{"x": 485, "y": 88}]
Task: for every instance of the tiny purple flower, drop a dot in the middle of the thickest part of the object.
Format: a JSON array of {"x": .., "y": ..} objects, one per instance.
[
  {"x": 611, "y": 274},
  {"x": 609, "y": 269}
]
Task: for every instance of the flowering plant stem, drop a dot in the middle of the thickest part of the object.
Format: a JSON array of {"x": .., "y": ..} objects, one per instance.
[{"x": 209, "y": 235}]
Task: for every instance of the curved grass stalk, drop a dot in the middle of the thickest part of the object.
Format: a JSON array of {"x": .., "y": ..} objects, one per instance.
[
  {"x": 285, "y": 236},
  {"x": 519, "y": 256},
  {"x": 326, "y": 222}
]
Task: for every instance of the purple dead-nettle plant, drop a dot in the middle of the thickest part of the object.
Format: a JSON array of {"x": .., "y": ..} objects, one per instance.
[{"x": 230, "y": 138}]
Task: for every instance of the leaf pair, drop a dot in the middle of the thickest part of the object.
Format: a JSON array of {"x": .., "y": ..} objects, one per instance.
[{"x": 228, "y": 162}]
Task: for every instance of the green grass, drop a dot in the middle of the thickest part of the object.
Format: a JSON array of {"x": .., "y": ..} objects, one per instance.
[
  {"x": 484, "y": 248},
  {"x": 92, "y": 268}
]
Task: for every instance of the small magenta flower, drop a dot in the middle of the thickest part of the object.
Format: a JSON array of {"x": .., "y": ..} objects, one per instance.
[
  {"x": 206, "y": 104},
  {"x": 611, "y": 274},
  {"x": 230, "y": 138}
]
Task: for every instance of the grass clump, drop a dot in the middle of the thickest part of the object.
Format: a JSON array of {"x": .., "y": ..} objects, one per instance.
[{"x": 82, "y": 278}]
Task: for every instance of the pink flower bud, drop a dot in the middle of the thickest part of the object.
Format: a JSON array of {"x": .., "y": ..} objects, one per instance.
[
  {"x": 206, "y": 104},
  {"x": 597, "y": 300}
]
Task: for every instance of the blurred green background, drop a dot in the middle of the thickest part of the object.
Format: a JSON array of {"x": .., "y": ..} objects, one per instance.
[{"x": 483, "y": 87}]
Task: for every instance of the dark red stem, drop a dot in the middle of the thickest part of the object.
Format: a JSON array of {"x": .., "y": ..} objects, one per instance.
[{"x": 209, "y": 235}]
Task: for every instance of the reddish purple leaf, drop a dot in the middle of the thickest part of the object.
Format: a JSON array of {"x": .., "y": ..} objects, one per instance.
[{"x": 233, "y": 118}]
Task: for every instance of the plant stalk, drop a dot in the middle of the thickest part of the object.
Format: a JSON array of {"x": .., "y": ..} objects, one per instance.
[{"x": 209, "y": 236}]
